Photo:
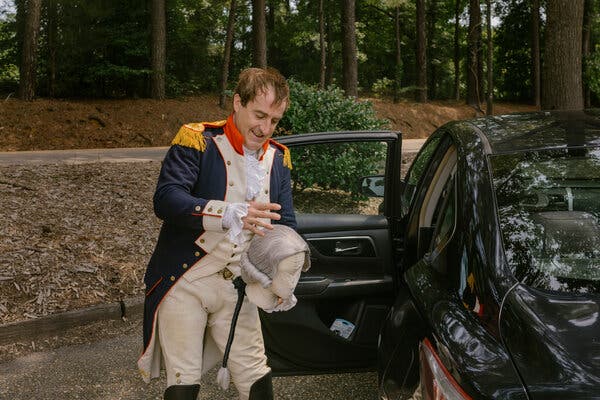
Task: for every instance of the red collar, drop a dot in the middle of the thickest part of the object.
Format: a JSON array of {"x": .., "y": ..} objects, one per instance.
[{"x": 235, "y": 137}]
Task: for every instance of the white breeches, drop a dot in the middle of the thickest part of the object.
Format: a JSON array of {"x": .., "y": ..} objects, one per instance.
[{"x": 195, "y": 313}]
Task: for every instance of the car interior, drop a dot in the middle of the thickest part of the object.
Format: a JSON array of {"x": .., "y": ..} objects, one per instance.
[
  {"x": 345, "y": 295},
  {"x": 549, "y": 212}
]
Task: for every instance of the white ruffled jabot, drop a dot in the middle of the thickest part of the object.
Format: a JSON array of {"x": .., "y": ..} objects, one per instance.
[{"x": 234, "y": 212}]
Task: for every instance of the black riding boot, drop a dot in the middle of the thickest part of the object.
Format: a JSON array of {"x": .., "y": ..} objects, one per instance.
[
  {"x": 182, "y": 392},
  {"x": 262, "y": 389}
]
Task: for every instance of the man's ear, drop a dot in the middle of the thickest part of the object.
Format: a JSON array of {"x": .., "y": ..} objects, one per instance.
[{"x": 237, "y": 102}]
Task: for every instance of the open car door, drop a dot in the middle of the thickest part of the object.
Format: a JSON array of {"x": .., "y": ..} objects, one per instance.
[{"x": 345, "y": 296}]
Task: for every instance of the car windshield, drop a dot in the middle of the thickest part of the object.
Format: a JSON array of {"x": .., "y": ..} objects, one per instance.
[{"x": 549, "y": 208}]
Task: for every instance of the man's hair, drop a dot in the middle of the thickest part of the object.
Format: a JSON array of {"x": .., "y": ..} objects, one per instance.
[{"x": 254, "y": 81}]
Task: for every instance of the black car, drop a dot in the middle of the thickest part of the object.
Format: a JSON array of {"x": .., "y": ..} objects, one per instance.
[{"x": 476, "y": 274}]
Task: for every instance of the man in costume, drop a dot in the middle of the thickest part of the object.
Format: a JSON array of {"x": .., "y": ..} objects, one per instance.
[{"x": 220, "y": 184}]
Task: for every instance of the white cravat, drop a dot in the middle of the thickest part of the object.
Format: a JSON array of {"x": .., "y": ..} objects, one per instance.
[{"x": 234, "y": 212}]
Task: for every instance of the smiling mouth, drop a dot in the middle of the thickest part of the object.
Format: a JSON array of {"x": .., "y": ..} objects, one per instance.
[{"x": 258, "y": 134}]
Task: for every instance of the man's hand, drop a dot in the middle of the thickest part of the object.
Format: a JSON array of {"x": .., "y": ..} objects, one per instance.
[{"x": 258, "y": 210}]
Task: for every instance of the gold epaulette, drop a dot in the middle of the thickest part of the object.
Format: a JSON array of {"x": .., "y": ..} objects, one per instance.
[
  {"x": 287, "y": 156},
  {"x": 190, "y": 135}
]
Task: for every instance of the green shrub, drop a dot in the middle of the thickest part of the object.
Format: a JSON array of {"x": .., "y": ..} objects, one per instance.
[
  {"x": 331, "y": 167},
  {"x": 314, "y": 110},
  {"x": 383, "y": 87}
]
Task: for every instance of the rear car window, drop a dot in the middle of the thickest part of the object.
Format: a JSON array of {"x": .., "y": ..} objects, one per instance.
[{"x": 549, "y": 208}]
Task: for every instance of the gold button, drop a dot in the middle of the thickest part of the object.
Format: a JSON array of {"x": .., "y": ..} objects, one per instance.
[
  {"x": 209, "y": 209},
  {"x": 197, "y": 254},
  {"x": 172, "y": 278},
  {"x": 178, "y": 374},
  {"x": 202, "y": 240},
  {"x": 184, "y": 266},
  {"x": 266, "y": 192},
  {"x": 230, "y": 183},
  {"x": 219, "y": 211},
  {"x": 198, "y": 208},
  {"x": 235, "y": 246},
  {"x": 228, "y": 162}
]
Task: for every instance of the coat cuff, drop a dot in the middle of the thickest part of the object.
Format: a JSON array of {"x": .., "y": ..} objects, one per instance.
[{"x": 212, "y": 215}]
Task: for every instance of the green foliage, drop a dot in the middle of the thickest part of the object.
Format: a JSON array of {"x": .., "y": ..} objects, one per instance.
[
  {"x": 195, "y": 38},
  {"x": 9, "y": 72},
  {"x": 331, "y": 166},
  {"x": 512, "y": 66},
  {"x": 314, "y": 110},
  {"x": 103, "y": 48},
  {"x": 94, "y": 49},
  {"x": 592, "y": 71},
  {"x": 383, "y": 87}
]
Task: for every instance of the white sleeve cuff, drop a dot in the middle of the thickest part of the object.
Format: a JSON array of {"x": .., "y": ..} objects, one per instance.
[
  {"x": 212, "y": 215},
  {"x": 232, "y": 220}
]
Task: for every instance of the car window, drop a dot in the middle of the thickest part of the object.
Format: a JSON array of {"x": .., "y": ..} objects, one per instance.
[
  {"x": 549, "y": 213},
  {"x": 437, "y": 189},
  {"x": 416, "y": 171},
  {"x": 327, "y": 178},
  {"x": 446, "y": 218},
  {"x": 433, "y": 197}
]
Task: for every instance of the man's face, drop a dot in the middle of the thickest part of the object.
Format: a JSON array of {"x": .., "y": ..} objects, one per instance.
[{"x": 257, "y": 120}]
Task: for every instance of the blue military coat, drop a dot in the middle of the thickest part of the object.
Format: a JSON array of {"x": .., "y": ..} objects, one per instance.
[{"x": 192, "y": 174}]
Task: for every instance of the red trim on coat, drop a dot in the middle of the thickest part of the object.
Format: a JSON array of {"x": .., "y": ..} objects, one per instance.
[
  {"x": 154, "y": 315},
  {"x": 154, "y": 286},
  {"x": 212, "y": 215}
]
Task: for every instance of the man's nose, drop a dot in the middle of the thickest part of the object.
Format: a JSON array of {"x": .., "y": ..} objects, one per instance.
[{"x": 265, "y": 126}]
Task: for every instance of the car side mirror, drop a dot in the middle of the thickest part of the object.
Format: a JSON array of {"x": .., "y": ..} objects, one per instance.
[{"x": 372, "y": 185}]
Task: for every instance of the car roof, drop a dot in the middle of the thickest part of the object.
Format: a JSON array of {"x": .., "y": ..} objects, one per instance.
[{"x": 538, "y": 130}]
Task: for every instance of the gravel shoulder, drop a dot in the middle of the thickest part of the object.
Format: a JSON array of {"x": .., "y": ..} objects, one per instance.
[{"x": 73, "y": 235}]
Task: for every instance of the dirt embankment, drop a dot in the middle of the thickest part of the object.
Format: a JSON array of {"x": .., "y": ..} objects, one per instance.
[{"x": 50, "y": 124}]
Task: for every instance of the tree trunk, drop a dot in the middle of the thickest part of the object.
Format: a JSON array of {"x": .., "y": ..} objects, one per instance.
[
  {"x": 52, "y": 30},
  {"x": 473, "y": 56},
  {"x": 535, "y": 52},
  {"x": 330, "y": 50},
  {"x": 586, "y": 46},
  {"x": 349, "y": 55},
  {"x": 398, "y": 66},
  {"x": 490, "y": 57},
  {"x": 227, "y": 53},
  {"x": 272, "y": 50},
  {"x": 421, "y": 92},
  {"x": 259, "y": 34},
  {"x": 323, "y": 64},
  {"x": 159, "y": 49},
  {"x": 562, "y": 82},
  {"x": 28, "y": 69},
  {"x": 457, "y": 49},
  {"x": 431, "y": 17}
]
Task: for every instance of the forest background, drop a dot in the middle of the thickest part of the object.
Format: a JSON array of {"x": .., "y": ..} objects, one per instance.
[{"x": 533, "y": 51}]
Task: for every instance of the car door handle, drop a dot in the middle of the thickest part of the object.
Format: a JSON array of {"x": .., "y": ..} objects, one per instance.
[{"x": 347, "y": 248}]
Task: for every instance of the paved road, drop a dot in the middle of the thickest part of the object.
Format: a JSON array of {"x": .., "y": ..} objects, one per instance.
[
  {"x": 116, "y": 155},
  {"x": 105, "y": 370}
]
